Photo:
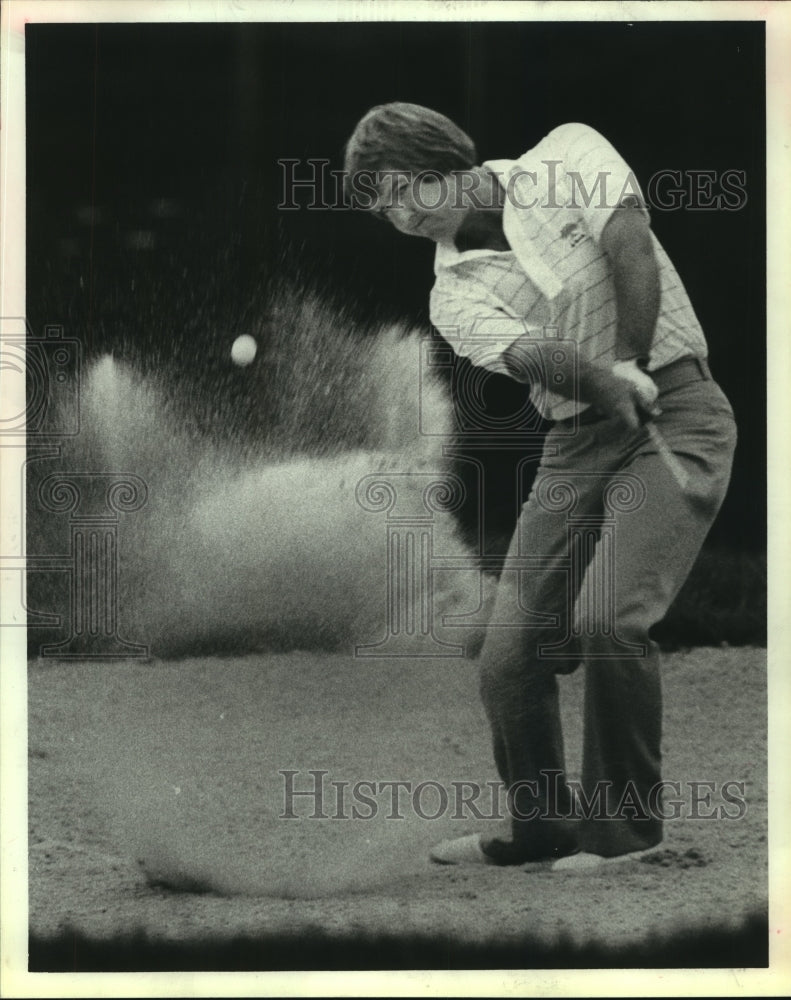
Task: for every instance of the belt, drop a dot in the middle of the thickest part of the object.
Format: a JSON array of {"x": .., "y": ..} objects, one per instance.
[{"x": 681, "y": 372}]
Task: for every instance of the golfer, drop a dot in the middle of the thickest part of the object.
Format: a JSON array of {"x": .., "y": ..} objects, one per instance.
[{"x": 547, "y": 270}]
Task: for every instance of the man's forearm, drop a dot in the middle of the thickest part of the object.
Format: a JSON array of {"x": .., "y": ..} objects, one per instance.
[
  {"x": 637, "y": 292},
  {"x": 627, "y": 241},
  {"x": 540, "y": 364}
]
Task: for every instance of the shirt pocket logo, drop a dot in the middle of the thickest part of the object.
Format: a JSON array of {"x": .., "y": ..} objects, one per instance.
[{"x": 573, "y": 234}]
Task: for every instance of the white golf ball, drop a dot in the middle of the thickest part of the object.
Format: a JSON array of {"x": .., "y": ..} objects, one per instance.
[{"x": 243, "y": 349}]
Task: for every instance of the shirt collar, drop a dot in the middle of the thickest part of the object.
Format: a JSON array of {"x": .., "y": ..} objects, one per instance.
[{"x": 447, "y": 257}]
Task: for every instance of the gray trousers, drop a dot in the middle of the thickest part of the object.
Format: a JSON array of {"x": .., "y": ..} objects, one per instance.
[{"x": 617, "y": 536}]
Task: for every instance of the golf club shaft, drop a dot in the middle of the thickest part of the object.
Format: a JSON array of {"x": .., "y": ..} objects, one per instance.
[{"x": 675, "y": 467}]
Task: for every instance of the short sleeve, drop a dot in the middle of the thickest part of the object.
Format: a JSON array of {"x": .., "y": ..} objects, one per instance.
[
  {"x": 597, "y": 177},
  {"x": 475, "y": 328}
]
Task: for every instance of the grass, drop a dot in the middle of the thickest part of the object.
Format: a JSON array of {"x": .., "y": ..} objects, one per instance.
[
  {"x": 742, "y": 946},
  {"x": 723, "y": 602}
]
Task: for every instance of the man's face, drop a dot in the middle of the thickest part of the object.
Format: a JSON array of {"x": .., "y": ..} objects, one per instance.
[{"x": 422, "y": 204}]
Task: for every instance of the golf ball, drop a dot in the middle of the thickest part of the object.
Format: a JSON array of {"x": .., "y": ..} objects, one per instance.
[{"x": 243, "y": 349}]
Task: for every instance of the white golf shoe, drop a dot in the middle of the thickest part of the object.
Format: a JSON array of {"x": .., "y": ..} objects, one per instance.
[
  {"x": 584, "y": 863},
  {"x": 460, "y": 851}
]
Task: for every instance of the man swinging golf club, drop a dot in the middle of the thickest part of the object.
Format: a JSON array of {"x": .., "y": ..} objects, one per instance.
[{"x": 560, "y": 240}]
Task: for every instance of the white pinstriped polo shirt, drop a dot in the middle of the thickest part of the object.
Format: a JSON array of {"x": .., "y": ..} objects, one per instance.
[{"x": 558, "y": 198}]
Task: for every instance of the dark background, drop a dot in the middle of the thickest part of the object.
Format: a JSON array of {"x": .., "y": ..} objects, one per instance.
[{"x": 153, "y": 183}]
